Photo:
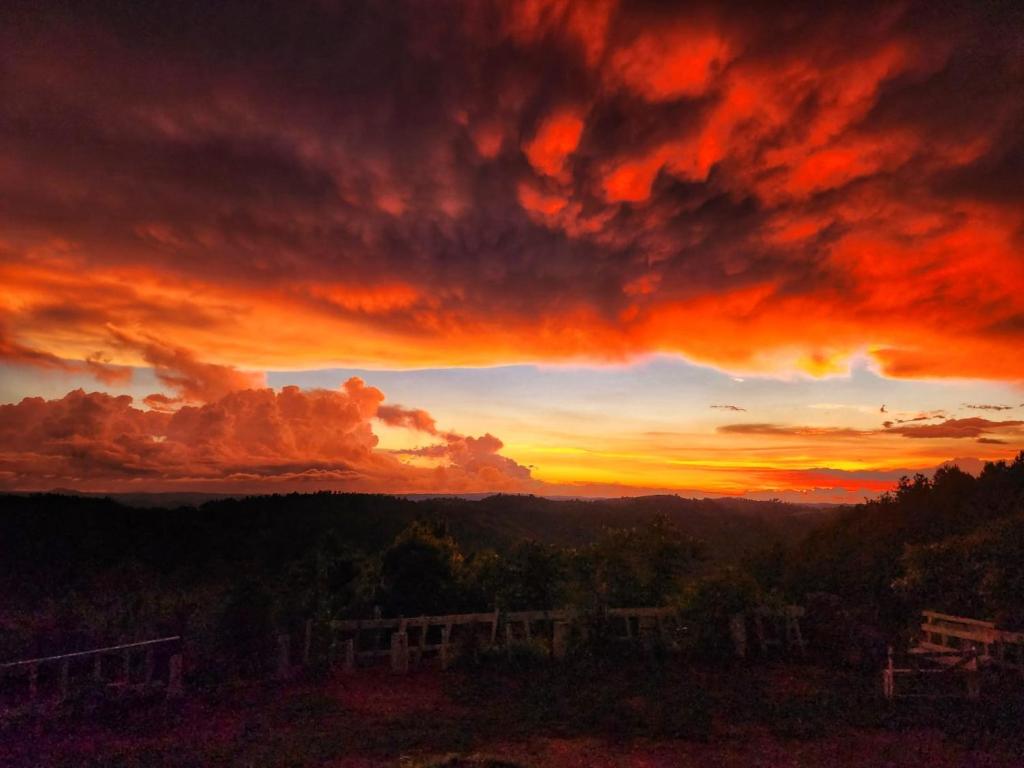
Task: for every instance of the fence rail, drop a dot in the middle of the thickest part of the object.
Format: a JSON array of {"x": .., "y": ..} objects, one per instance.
[
  {"x": 408, "y": 640},
  {"x": 127, "y": 651}
]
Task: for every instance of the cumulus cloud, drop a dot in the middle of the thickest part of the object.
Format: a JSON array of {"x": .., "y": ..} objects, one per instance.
[
  {"x": 244, "y": 440},
  {"x": 179, "y": 368},
  {"x": 411, "y": 418},
  {"x": 516, "y": 181}
]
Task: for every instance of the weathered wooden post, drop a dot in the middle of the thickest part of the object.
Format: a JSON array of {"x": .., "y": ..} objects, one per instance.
[
  {"x": 738, "y": 630},
  {"x": 508, "y": 640},
  {"x": 446, "y": 636},
  {"x": 794, "y": 637},
  {"x": 494, "y": 627},
  {"x": 759, "y": 628},
  {"x": 307, "y": 642},
  {"x": 400, "y": 653},
  {"x": 973, "y": 676},
  {"x": 332, "y": 653},
  {"x": 889, "y": 678},
  {"x": 284, "y": 662},
  {"x": 64, "y": 675},
  {"x": 417, "y": 650},
  {"x": 175, "y": 685},
  {"x": 560, "y": 639},
  {"x": 350, "y": 655}
]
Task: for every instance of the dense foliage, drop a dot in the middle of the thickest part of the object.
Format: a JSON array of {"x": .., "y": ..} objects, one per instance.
[
  {"x": 952, "y": 543},
  {"x": 230, "y": 573}
]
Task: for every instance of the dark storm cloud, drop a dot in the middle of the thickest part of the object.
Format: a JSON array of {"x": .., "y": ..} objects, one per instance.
[{"x": 494, "y": 182}]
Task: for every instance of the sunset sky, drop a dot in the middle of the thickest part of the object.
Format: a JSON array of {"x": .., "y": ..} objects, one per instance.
[{"x": 545, "y": 247}]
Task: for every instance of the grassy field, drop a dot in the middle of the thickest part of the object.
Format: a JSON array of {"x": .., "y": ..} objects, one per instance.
[{"x": 635, "y": 713}]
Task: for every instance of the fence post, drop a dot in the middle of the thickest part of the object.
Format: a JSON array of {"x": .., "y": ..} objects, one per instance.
[
  {"x": 738, "y": 630},
  {"x": 446, "y": 636},
  {"x": 284, "y": 665},
  {"x": 64, "y": 673},
  {"x": 175, "y": 686},
  {"x": 560, "y": 639},
  {"x": 350, "y": 655},
  {"x": 759, "y": 627},
  {"x": 973, "y": 677},
  {"x": 889, "y": 678},
  {"x": 307, "y": 642},
  {"x": 400, "y": 652}
]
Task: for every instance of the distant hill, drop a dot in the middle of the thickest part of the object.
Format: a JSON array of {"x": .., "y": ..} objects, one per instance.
[{"x": 57, "y": 534}]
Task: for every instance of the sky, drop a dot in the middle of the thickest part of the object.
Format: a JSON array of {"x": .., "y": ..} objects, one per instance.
[{"x": 596, "y": 248}]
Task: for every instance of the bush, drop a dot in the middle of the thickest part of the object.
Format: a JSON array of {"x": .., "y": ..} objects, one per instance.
[
  {"x": 245, "y": 629},
  {"x": 708, "y": 606}
]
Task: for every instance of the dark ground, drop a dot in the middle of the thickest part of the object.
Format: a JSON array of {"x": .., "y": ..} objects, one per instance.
[{"x": 638, "y": 714}]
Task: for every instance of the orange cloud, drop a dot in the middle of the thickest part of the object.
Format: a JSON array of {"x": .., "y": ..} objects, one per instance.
[
  {"x": 250, "y": 439},
  {"x": 770, "y": 193},
  {"x": 178, "y": 368}
]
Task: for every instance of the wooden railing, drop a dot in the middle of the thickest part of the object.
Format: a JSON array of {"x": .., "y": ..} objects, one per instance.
[
  {"x": 773, "y": 628},
  {"x": 951, "y": 646},
  {"x": 408, "y": 640},
  {"x": 63, "y": 665},
  {"x": 994, "y": 647}
]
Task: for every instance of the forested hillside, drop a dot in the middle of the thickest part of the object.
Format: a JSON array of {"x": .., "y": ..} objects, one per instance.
[
  {"x": 953, "y": 543},
  {"x": 79, "y": 571}
]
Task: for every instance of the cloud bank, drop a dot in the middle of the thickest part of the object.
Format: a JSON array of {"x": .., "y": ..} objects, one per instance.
[
  {"x": 452, "y": 183},
  {"x": 242, "y": 441}
]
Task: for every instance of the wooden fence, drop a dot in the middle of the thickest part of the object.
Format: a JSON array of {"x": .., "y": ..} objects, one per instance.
[
  {"x": 405, "y": 641},
  {"x": 409, "y": 640},
  {"x": 54, "y": 677},
  {"x": 953, "y": 648}
]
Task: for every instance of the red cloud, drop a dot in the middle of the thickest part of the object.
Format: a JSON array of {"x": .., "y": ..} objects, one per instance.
[
  {"x": 663, "y": 64},
  {"x": 497, "y": 183},
  {"x": 556, "y": 139}
]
